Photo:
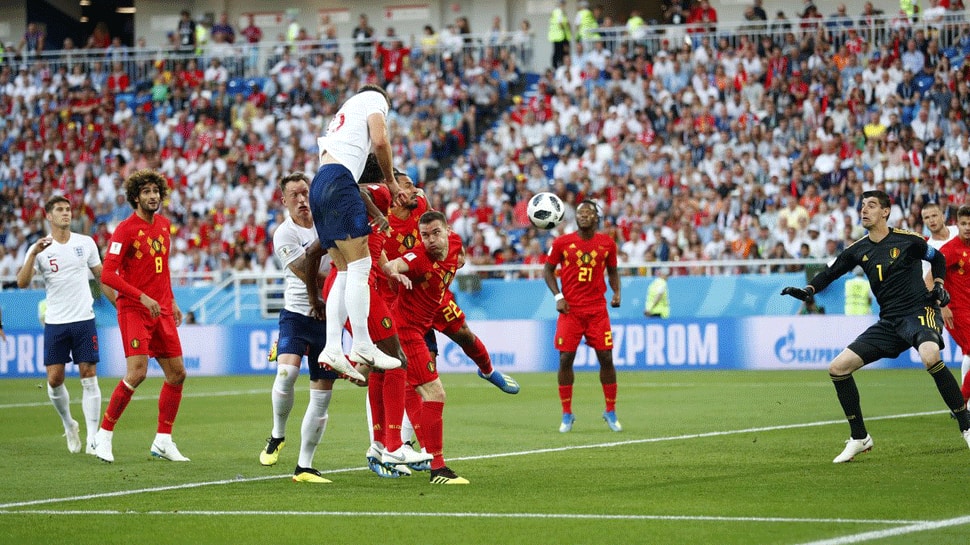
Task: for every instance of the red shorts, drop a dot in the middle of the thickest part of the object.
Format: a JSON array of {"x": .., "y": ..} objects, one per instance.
[
  {"x": 592, "y": 323},
  {"x": 449, "y": 317},
  {"x": 961, "y": 335},
  {"x": 421, "y": 365},
  {"x": 143, "y": 335},
  {"x": 379, "y": 322}
]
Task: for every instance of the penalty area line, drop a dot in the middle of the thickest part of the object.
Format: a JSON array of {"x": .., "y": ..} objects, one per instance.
[
  {"x": 566, "y": 516},
  {"x": 893, "y": 532}
]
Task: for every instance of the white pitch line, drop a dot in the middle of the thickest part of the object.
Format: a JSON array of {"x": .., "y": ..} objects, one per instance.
[
  {"x": 477, "y": 457},
  {"x": 893, "y": 532},
  {"x": 687, "y": 436},
  {"x": 580, "y": 516},
  {"x": 142, "y": 398}
]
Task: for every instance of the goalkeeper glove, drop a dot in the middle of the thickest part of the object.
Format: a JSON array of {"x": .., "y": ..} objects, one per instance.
[
  {"x": 798, "y": 293},
  {"x": 939, "y": 295}
]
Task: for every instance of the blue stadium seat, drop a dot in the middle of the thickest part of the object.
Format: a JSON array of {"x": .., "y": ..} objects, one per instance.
[
  {"x": 236, "y": 86},
  {"x": 129, "y": 98},
  {"x": 258, "y": 83},
  {"x": 548, "y": 163},
  {"x": 923, "y": 81}
]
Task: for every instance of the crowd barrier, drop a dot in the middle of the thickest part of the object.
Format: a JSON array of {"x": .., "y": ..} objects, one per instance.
[{"x": 757, "y": 343}]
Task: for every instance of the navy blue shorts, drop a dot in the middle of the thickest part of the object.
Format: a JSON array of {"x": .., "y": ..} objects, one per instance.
[
  {"x": 78, "y": 339},
  {"x": 888, "y": 338},
  {"x": 431, "y": 341},
  {"x": 338, "y": 209},
  {"x": 301, "y": 335}
]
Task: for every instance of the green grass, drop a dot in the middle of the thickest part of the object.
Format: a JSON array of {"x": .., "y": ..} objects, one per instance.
[{"x": 705, "y": 457}]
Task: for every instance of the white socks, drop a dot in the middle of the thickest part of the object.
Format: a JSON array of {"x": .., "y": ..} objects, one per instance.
[
  {"x": 407, "y": 429},
  {"x": 964, "y": 369},
  {"x": 283, "y": 397},
  {"x": 357, "y": 300},
  {"x": 91, "y": 405},
  {"x": 336, "y": 315},
  {"x": 314, "y": 424},
  {"x": 62, "y": 404}
]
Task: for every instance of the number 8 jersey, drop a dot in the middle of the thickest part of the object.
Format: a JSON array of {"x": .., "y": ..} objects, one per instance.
[{"x": 137, "y": 262}]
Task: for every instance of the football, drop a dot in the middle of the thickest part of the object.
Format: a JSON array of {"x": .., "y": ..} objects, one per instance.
[{"x": 546, "y": 210}]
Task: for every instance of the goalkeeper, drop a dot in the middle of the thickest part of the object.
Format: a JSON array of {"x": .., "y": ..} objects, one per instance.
[{"x": 909, "y": 315}]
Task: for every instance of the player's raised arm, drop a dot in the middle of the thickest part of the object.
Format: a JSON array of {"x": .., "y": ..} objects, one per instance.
[{"x": 396, "y": 269}]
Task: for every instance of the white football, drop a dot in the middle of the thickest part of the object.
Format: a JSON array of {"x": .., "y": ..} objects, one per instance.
[{"x": 546, "y": 210}]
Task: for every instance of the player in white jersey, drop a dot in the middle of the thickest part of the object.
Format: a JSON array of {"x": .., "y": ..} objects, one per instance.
[
  {"x": 940, "y": 234},
  {"x": 300, "y": 334},
  {"x": 64, "y": 259},
  {"x": 342, "y": 223}
]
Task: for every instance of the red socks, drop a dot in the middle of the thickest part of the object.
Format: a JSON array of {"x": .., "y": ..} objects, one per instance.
[
  {"x": 566, "y": 398},
  {"x": 168, "y": 406},
  {"x": 609, "y": 392},
  {"x": 479, "y": 354},
  {"x": 375, "y": 397},
  {"x": 393, "y": 407},
  {"x": 414, "y": 405},
  {"x": 119, "y": 400},
  {"x": 431, "y": 423}
]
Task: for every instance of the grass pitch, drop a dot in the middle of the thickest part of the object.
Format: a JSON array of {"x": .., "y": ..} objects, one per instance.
[{"x": 704, "y": 457}]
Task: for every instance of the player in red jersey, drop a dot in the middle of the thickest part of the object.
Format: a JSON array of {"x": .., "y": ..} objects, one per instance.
[
  {"x": 136, "y": 266},
  {"x": 450, "y": 319},
  {"x": 425, "y": 274},
  {"x": 956, "y": 315},
  {"x": 583, "y": 256}
]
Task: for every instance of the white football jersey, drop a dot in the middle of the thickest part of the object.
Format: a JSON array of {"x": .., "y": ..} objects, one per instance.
[
  {"x": 65, "y": 269},
  {"x": 348, "y": 138},
  {"x": 954, "y": 231},
  {"x": 290, "y": 241}
]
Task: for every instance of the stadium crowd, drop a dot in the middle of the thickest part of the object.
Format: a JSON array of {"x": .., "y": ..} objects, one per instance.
[{"x": 699, "y": 145}]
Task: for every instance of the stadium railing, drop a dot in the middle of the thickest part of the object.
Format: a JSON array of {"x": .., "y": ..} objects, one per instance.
[{"x": 247, "y": 61}]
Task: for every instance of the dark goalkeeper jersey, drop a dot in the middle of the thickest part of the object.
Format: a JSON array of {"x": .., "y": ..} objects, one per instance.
[{"x": 894, "y": 268}]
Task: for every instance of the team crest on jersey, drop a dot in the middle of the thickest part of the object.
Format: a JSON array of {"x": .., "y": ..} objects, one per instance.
[
  {"x": 386, "y": 323},
  {"x": 447, "y": 277},
  {"x": 135, "y": 343},
  {"x": 894, "y": 253},
  {"x": 431, "y": 366},
  {"x": 157, "y": 244},
  {"x": 79, "y": 251},
  {"x": 409, "y": 241}
]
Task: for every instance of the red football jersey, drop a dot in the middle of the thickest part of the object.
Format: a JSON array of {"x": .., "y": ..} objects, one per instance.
[
  {"x": 430, "y": 280},
  {"x": 377, "y": 239},
  {"x": 404, "y": 233},
  {"x": 582, "y": 264},
  {"x": 957, "y": 255},
  {"x": 137, "y": 262}
]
